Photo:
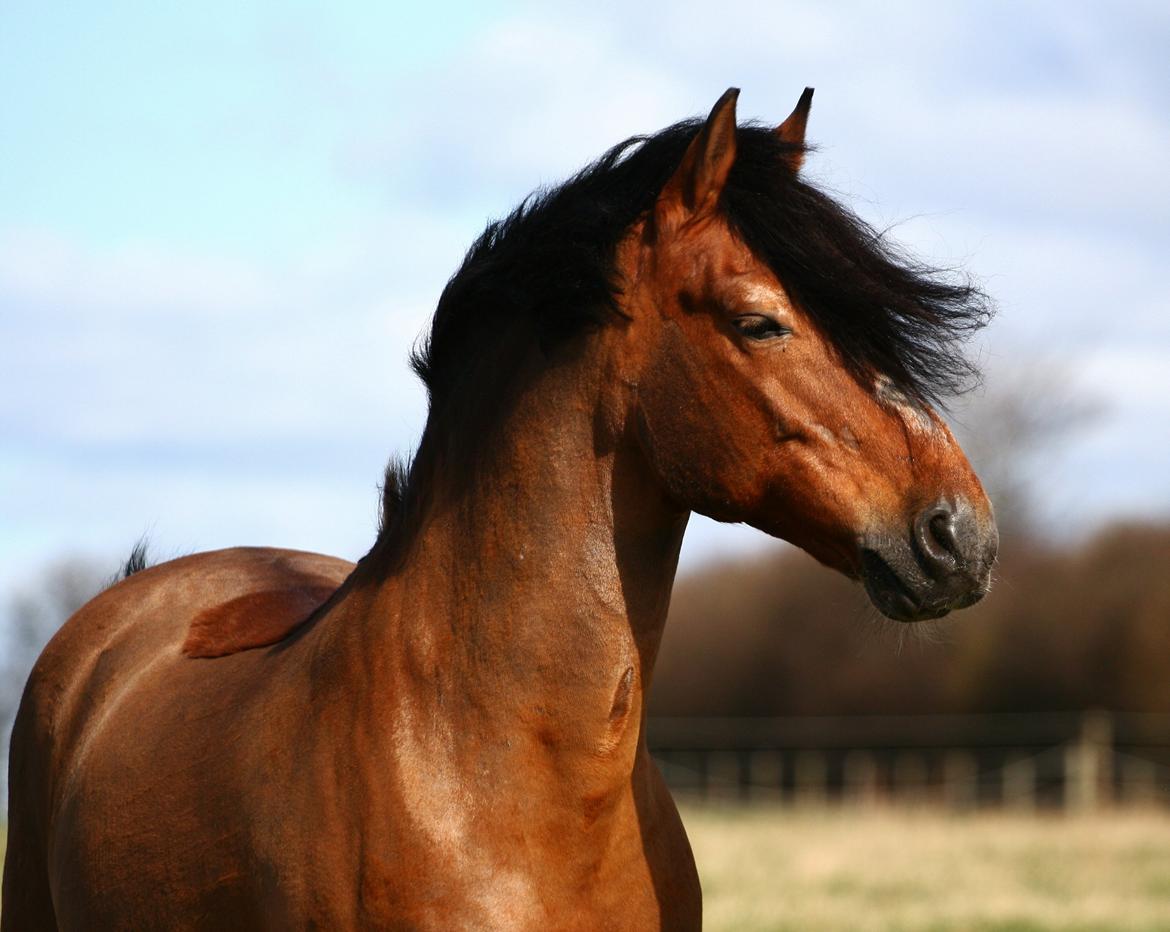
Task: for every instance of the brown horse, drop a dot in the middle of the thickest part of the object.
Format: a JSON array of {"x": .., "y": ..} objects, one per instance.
[{"x": 449, "y": 735}]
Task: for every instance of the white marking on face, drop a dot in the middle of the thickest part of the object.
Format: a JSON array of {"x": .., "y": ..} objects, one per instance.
[
  {"x": 912, "y": 412},
  {"x": 824, "y": 433},
  {"x": 762, "y": 296}
]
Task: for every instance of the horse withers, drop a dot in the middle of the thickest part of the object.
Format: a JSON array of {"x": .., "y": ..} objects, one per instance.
[{"x": 450, "y": 733}]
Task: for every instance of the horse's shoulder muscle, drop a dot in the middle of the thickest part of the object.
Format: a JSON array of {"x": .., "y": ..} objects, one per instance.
[
  {"x": 219, "y": 602},
  {"x": 280, "y": 593},
  {"x": 203, "y": 605}
]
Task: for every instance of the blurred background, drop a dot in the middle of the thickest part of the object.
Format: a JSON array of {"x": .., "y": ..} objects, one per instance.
[{"x": 223, "y": 225}]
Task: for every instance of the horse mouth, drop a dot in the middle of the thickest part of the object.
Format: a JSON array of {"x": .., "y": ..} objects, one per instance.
[{"x": 897, "y": 598}]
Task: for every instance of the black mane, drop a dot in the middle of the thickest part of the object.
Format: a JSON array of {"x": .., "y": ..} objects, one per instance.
[
  {"x": 547, "y": 271},
  {"x": 548, "y": 267}
]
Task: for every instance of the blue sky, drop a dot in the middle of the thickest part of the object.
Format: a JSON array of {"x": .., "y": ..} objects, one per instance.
[{"x": 222, "y": 226}]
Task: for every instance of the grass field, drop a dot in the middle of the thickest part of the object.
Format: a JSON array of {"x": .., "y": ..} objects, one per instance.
[
  {"x": 863, "y": 871},
  {"x": 776, "y": 869}
]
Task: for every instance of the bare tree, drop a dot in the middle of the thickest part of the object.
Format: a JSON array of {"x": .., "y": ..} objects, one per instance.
[
  {"x": 1016, "y": 424},
  {"x": 33, "y": 616}
]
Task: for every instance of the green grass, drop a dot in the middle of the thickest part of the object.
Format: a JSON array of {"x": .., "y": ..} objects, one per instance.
[{"x": 921, "y": 871}]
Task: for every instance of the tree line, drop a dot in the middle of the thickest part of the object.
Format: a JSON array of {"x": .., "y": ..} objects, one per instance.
[{"x": 1065, "y": 627}]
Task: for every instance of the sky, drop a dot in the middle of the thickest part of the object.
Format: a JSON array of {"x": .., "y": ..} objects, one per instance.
[{"x": 223, "y": 225}]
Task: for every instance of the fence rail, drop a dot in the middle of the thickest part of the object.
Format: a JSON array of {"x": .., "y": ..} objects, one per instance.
[{"x": 1075, "y": 761}]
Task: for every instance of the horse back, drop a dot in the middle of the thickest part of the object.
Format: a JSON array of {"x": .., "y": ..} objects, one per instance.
[{"x": 128, "y": 687}]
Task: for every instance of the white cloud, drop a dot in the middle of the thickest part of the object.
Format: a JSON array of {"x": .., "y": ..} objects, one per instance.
[
  {"x": 118, "y": 344},
  {"x": 208, "y": 399},
  {"x": 46, "y": 268}
]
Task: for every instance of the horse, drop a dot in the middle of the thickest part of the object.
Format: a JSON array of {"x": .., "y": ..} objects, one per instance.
[{"x": 450, "y": 733}]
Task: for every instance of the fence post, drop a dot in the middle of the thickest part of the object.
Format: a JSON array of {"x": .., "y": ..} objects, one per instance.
[
  {"x": 765, "y": 775},
  {"x": 1088, "y": 764},
  {"x": 909, "y": 778},
  {"x": 723, "y": 776},
  {"x": 1019, "y": 782},
  {"x": 860, "y": 776},
  {"x": 811, "y": 773},
  {"x": 960, "y": 780}
]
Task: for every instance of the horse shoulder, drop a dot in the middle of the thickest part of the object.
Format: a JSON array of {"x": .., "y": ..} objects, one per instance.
[{"x": 204, "y": 605}]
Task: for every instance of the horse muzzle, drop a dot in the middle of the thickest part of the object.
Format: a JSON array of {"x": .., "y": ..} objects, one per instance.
[{"x": 941, "y": 562}]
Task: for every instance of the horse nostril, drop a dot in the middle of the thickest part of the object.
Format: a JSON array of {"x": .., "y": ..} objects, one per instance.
[
  {"x": 934, "y": 533},
  {"x": 942, "y": 527}
]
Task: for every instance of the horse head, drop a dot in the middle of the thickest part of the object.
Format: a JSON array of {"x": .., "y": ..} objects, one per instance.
[{"x": 784, "y": 363}]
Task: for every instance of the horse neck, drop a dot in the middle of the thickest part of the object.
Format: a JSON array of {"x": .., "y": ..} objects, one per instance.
[{"x": 533, "y": 594}]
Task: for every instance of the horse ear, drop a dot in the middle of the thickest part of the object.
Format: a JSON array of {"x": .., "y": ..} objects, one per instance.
[
  {"x": 696, "y": 184},
  {"x": 791, "y": 131}
]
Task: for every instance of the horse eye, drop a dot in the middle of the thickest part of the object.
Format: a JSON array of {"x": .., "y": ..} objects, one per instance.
[{"x": 759, "y": 327}]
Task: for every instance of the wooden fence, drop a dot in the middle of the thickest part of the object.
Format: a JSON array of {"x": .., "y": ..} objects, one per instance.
[{"x": 1048, "y": 761}]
